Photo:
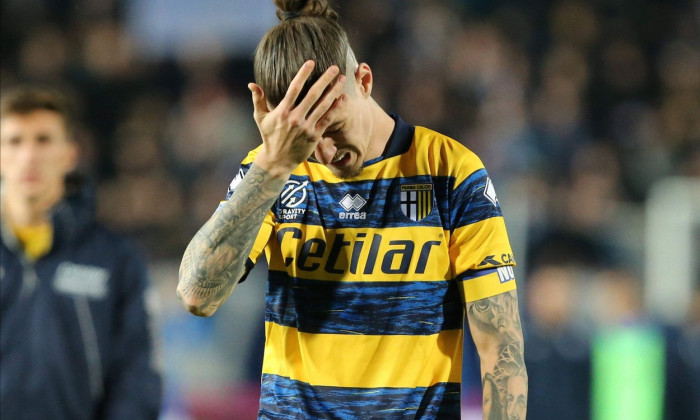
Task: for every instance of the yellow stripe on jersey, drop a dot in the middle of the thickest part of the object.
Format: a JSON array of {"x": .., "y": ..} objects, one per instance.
[
  {"x": 388, "y": 254},
  {"x": 487, "y": 242},
  {"x": 478, "y": 288},
  {"x": 363, "y": 361},
  {"x": 251, "y": 156},
  {"x": 263, "y": 238}
]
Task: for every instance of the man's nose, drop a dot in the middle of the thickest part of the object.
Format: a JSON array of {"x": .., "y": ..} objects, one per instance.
[
  {"x": 325, "y": 151},
  {"x": 29, "y": 151}
]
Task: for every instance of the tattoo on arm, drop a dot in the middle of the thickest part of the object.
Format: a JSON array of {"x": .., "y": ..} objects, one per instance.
[
  {"x": 215, "y": 259},
  {"x": 497, "y": 321}
]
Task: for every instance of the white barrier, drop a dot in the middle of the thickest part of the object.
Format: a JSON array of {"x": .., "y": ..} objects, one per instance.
[{"x": 672, "y": 247}]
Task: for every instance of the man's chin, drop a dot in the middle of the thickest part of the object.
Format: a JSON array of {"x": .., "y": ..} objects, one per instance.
[
  {"x": 347, "y": 173},
  {"x": 32, "y": 197},
  {"x": 30, "y": 192}
]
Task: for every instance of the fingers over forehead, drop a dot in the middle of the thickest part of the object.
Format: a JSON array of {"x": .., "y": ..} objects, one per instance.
[
  {"x": 318, "y": 90},
  {"x": 323, "y": 106},
  {"x": 297, "y": 84}
]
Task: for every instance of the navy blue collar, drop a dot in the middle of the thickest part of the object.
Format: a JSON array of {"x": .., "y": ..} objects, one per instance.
[{"x": 400, "y": 139}]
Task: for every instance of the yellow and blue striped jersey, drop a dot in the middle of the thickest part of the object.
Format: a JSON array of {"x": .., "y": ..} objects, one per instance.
[{"x": 368, "y": 278}]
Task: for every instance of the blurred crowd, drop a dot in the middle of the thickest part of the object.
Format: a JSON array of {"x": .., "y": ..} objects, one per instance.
[{"x": 577, "y": 108}]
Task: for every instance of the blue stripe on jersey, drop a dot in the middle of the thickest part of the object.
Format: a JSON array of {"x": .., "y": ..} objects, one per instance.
[
  {"x": 472, "y": 274},
  {"x": 475, "y": 206},
  {"x": 372, "y": 308},
  {"x": 382, "y": 208},
  {"x": 284, "y": 398}
]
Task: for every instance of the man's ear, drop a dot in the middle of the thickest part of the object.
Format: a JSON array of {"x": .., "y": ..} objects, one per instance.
[{"x": 364, "y": 80}]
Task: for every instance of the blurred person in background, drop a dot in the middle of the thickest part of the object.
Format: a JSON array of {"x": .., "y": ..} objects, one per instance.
[
  {"x": 77, "y": 335},
  {"x": 558, "y": 350},
  {"x": 359, "y": 330},
  {"x": 640, "y": 369}
]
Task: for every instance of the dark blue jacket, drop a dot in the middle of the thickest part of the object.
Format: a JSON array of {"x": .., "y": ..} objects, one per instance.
[{"x": 76, "y": 340}]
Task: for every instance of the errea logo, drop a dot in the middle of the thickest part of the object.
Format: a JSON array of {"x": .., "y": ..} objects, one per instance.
[
  {"x": 349, "y": 203},
  {"x": 353, "y": 203}
]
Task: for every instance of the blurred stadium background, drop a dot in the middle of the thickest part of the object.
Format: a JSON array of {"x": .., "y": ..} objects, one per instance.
[{"x": 585, "y": 113}]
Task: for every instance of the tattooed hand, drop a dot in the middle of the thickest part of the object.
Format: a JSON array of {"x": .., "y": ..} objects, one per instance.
[
  {"x": 291, "y": 131},
  {"x": 497, "y": 333},
  {"x": 214, "y": 261}
]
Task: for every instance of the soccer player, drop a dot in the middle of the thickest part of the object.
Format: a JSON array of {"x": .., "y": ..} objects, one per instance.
[
  {"x": 76, "y": 340},
  {"x": 380, "y": 236}
]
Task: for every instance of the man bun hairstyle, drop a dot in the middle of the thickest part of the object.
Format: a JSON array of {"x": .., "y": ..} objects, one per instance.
[
  {"x": 308, "y": 30},
  {"x": 289, "y": 9}
]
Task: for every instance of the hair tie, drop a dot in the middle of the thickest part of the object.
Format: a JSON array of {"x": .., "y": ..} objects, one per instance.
[{"x": 288, "y": 14}]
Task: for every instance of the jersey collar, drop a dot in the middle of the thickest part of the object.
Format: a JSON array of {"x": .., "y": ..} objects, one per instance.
[{"x": 400, "y": 139}]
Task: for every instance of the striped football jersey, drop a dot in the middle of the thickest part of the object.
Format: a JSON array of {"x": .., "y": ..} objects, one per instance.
[{"x": 368, "y": 278}]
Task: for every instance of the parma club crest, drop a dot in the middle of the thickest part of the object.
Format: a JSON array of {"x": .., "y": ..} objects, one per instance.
[{"x": 416, "y": 200}]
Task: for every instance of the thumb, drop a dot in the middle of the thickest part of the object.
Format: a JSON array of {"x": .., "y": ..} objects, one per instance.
[{"x": 259, "y": 103}]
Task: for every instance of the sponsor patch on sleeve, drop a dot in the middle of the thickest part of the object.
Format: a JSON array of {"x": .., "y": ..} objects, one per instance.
[{"x": 490, "y": 192}]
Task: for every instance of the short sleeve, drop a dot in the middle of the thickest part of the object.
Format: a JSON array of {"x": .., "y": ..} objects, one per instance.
[{"x": 480, "y": 251}]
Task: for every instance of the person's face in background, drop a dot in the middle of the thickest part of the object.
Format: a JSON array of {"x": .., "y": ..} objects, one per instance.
[{"x": 36, "y": 153}]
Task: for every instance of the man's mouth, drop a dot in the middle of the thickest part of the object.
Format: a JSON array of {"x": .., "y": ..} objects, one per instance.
[
  {"x": 340, "y": 157},
  {"x": 30, "y": 177},
  {"x": 341, "y": 160}
]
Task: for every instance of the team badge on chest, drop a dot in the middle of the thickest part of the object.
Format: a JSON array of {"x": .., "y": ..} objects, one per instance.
[{"x": 416, "y": 201}]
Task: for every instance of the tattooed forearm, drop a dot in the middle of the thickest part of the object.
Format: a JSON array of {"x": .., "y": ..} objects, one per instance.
[
  {"x": 497, "y": 333},
  {"x": 215, "y": 259}
]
